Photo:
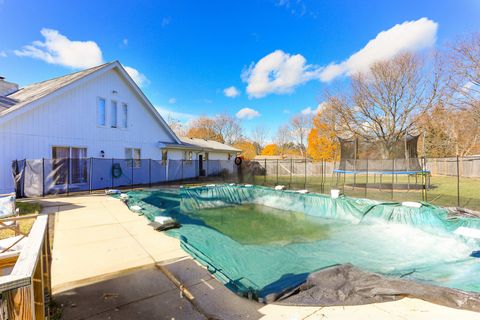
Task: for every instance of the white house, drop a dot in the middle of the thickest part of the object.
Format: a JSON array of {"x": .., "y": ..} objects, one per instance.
[{"x": 80, "y": 126}]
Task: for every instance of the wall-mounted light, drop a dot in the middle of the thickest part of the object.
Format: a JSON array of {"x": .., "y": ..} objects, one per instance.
[
  {"x": 114, "y": 91},
  {"x": 102, "y": 154}
]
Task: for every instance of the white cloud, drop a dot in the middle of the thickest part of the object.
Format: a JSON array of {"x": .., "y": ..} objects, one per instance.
[
  {"x": 408, "y": 36},
  {"x": 125, "y": 42},
  {"x": 58, "y": 49},
  {"x": 138, "y": 77},
  {"x": 280, "y": 72},
  {"x": 310, "y": 111},
  {"x": 231, "y": 92},
  {"x": 247, "y": 113},
  {"x": 172, "y": 100},
  {"x": 3, "y": 54}
]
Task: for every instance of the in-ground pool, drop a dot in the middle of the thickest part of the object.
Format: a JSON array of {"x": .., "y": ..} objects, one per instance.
[{"x": 260, "y": 241}]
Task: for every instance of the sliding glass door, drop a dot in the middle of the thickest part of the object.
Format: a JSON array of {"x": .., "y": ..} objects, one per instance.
[{"x": 69, "y": 165}]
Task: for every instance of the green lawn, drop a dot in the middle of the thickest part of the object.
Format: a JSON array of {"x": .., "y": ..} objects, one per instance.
[{"x": 442, "y": 190}]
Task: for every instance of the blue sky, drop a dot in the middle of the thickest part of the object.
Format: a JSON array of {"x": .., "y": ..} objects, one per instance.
[{"x": 279, "y": 55}]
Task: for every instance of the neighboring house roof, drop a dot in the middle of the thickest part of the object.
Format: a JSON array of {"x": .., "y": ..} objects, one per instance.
[
  {"x": 25, "y": 98},
  {"x": 201, "y": 145},
  {"x": 208, "y": 144}
]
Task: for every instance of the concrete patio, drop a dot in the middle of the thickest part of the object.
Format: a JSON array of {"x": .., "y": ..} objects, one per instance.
[{"x": 109, "y": 264}]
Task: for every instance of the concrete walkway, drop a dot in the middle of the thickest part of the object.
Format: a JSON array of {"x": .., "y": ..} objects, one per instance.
[{"x": 109, "y": 264}]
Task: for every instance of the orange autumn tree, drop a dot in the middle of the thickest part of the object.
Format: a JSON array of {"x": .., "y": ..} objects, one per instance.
[
  {"x": 321, "y": 142},
  {"x": 249, "y": 151},
  {"x": 270, "y": 150}
]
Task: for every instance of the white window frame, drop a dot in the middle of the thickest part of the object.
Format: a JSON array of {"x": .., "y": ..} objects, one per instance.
[
  {"x": 112, "y": 103},
  {"x": 98, "y": 113},
  {"x": 125, "y": 117},
  {"x": 131, "y": 160},
  {"x": 70, "y": 170}
]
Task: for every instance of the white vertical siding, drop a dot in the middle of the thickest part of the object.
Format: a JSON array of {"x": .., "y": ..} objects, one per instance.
[{"x": 71, "y": 120}]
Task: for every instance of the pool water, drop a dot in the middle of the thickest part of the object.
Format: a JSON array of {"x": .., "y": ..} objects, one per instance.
[{"x": 258, "y": 224}]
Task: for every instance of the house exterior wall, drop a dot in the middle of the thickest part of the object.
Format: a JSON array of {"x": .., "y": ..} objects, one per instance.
[{"x": 70, "y": 120}]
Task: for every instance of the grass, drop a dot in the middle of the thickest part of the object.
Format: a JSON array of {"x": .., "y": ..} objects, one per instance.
[
  {"x": 25, "y": 225},
  {"x": 442, "y": 191}
]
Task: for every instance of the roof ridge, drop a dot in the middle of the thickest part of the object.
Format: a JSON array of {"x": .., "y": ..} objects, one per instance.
[{"x": 68, "y": 74}]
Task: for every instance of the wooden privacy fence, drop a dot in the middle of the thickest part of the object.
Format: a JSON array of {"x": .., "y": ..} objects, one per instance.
[
  {"x": 466, "y": 167},
  {"x": 25, "y": 282}
]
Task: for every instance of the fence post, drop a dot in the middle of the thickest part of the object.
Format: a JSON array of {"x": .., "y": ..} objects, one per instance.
[
  {"x": 131, "y": 181},
  {"x": 366, "y": 178},
  {"x": 305, "y": 182},
  {"x": 43, "y": 177},
  {"x": 181, "y": 177},
  {"x": 150, "y": 172},
  {"x": 323, "y": 176},
  {"x": 291, "y": 172},
  {"x": 458, "y": 183},
  {"x": 90, "y": 176},
  {"x": 265, "y": 175},
  {"x": 111, "y": 172},
  {"x": 393, "y": 174},
  {"x": 277, "y": 173},
  {"x": 68, "y": 175}
]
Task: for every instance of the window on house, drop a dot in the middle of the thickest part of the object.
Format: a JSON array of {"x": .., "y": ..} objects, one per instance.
[
  {"x": 137, "y": 158},
  {"x": 206, "y": 156},
  {"x": 229, "y": 156},
  {"x": 164, "y": 157},
  {"x": 124, "y": 115},
  {"x": 188, "y": 155},
  {"x": 133, "y": 157},
  {"x": 101, "y": 112},
  {"x": 113, "y": 114}
]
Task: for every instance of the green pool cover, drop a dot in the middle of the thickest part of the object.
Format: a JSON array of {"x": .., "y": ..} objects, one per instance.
[{"x": 261, "y": 242}]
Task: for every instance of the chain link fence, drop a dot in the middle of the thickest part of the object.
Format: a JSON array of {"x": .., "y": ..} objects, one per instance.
[
  {"x": 451, "y": 182},
  {"x": 41, "y": 177},
  {"x": 448, "y": 182}
]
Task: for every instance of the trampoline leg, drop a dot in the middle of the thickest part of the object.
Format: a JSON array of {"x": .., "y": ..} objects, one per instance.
[{"x": 380, "y": 185}]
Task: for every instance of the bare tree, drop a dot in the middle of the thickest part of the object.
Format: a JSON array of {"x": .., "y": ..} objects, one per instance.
[
  {"x": 283, "y": 138},
  {"x": 464, "y": 70},
  {"x": 228, "y": 127},
  {"x": 259, "y": 137},
  {"x": 385, "y": 103},
  {"x": 176, "y": 125},
  {"x": 300, "y": 127},
  {"x": 454, "y": 124}
]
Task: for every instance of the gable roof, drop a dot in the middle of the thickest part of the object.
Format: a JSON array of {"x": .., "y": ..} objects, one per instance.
[
  {"x": 25, "y": 98},
  {"x": 41, "y": 89}
]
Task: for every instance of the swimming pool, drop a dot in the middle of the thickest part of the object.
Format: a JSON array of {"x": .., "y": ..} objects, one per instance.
[{"x": 260, "y": 241}]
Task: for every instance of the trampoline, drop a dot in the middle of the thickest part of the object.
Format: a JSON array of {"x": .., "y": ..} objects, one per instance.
[{"x": 362, "y": 157}]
